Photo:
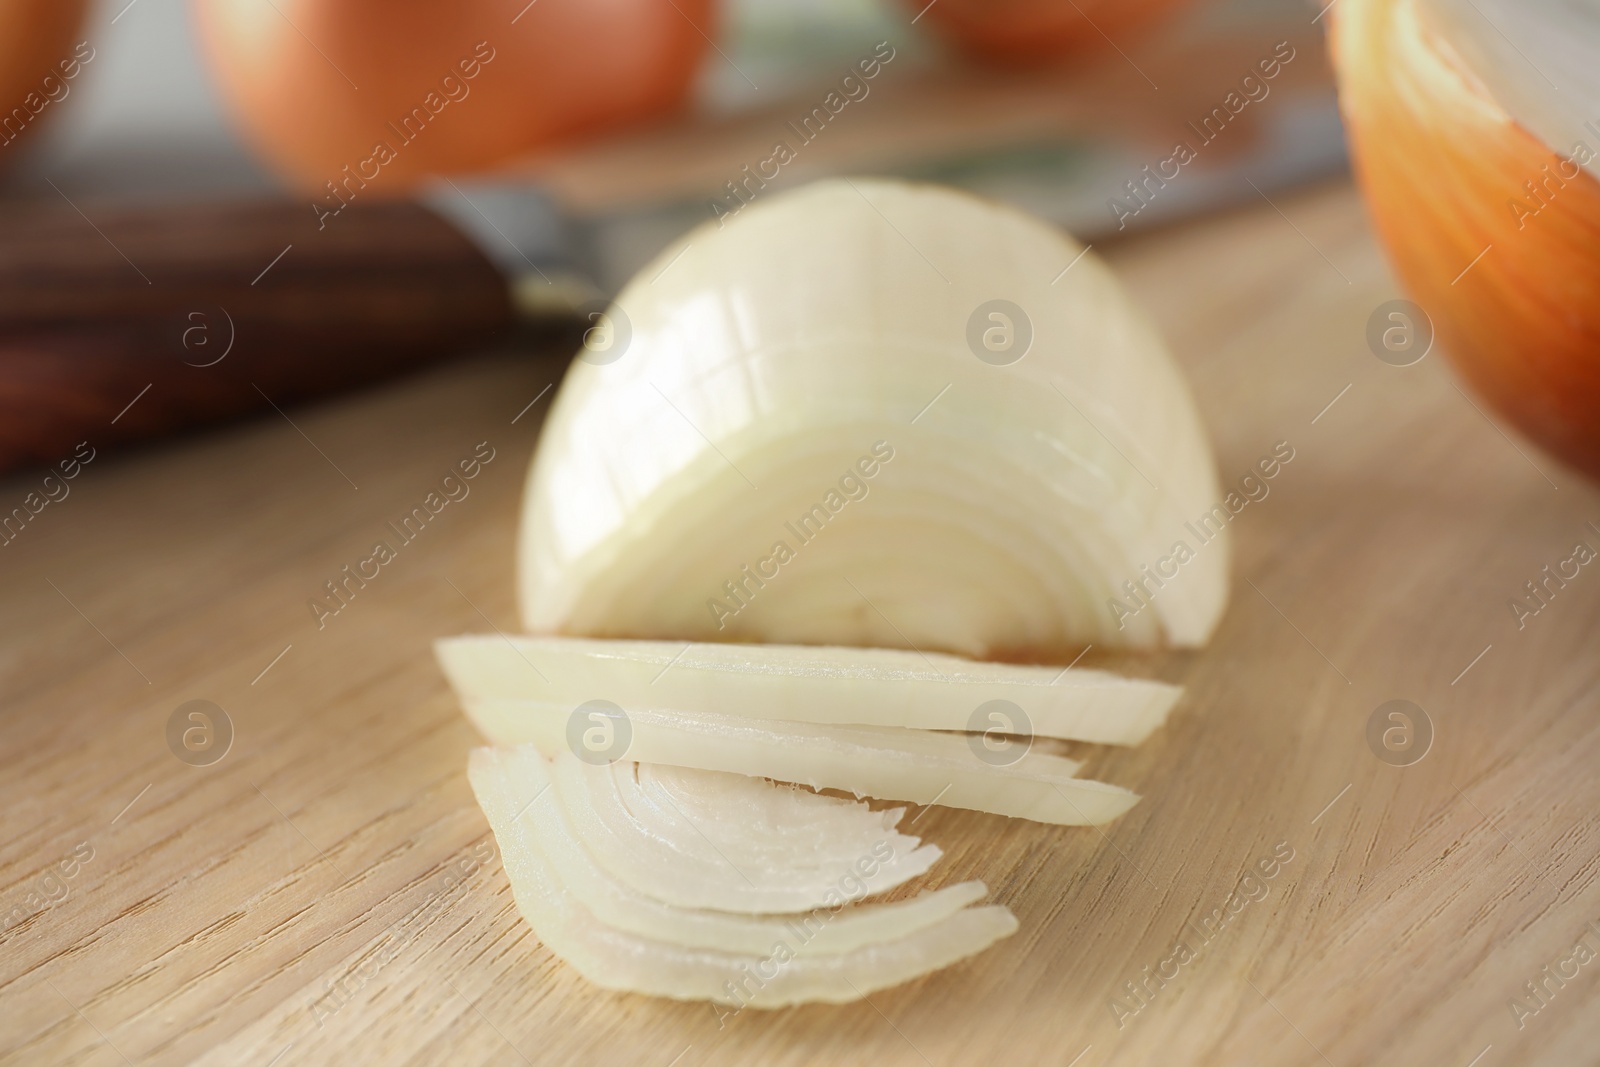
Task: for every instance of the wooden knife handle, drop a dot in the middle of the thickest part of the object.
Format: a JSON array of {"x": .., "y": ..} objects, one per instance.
[{"x": 204, "y": 313}]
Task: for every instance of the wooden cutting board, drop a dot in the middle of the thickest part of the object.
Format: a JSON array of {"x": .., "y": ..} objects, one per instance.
[{"x": 326, "y": 892}]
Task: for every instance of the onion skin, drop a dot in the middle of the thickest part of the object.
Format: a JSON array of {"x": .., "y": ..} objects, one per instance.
[
  {"x": 1441, "y": 164},
  {"x": 35, "y": 36},
  {"x": 1033, "y": 32},
  {"x": 549, "y": 79}
]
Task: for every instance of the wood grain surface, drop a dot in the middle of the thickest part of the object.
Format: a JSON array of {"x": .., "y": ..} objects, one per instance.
[{"x": 336, "y": 846}]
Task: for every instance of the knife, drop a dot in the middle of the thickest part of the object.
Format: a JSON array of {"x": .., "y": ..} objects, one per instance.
[{"x": 126, "y": 323}]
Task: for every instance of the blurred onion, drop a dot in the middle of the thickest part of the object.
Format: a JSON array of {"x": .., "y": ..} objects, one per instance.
[
  {"x": 36, "y": 37},
  {"x": 316, "y": 84},
  {"x": 1024, "y": 32},
  {"x": 1450, "y": 122}
]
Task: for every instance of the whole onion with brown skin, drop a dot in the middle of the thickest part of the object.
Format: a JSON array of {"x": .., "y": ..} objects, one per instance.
[
  {"x": 396, "y": 90},
  {"x": 1030, "y": 32},
  {"x": 36, "y": 43}
]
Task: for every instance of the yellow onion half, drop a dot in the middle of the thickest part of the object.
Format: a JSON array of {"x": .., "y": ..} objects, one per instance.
[
  {"x": 1475, "y": 127},
  {"x": 798, "y": 432}
]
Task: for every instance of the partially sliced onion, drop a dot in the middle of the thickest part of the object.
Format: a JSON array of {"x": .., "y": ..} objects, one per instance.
[
  {"x": 619, "y": 960},
  {"x": 812, "y": 357},
  {"x": 615, "y": 903},
  {"x": 918, "y": 766},
  {"x": 881, "y": 687},
  {"x": 792, "y": 854}
]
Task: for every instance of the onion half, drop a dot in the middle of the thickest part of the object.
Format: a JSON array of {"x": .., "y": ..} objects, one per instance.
[
  {"x": 803, "y": 416},
  {"x": 783, "y": 973},
  {"x": 1481, "y": 176},
  {"x": 868, "y": 686}
]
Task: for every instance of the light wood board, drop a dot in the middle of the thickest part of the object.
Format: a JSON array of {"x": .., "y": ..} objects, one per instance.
[{"x": 223, "y": 902}]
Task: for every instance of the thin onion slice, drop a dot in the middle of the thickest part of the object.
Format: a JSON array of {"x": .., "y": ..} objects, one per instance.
[
  {"x": 622, "y": 961},
  {"x": 755, "y": 816},
  {"x": 643, "y": 839},
  {"x": 918, "y": 766},
  {"x": 868, "y": 686},
  {"x": 826, "y": 932},
  {"x": 879, "y": 414}
]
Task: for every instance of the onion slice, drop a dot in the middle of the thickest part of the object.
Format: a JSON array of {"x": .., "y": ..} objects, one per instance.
[
  {"x": 831, "y": 931},
  {"x": 918, "y": 766},
  {"x": 872, "y": 413},
  {"x": 778, "y": 850},
  {"x": 868, "y": 686},
  {"x": 619, "y": 960}
]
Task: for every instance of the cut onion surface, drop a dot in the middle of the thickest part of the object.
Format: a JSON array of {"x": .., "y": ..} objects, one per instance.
[
  {"x": 760, "y": 817},
  {"x": 1552, "y": 84},
  {"x": 873, "y": 413},
  {"x": 773, "y": 850},
  {"x": 798, "y": 683},
  {"x": 918, "y": 766},
  {"x": 624, "y": 961},
  {"x": 614, "y": 902}
]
